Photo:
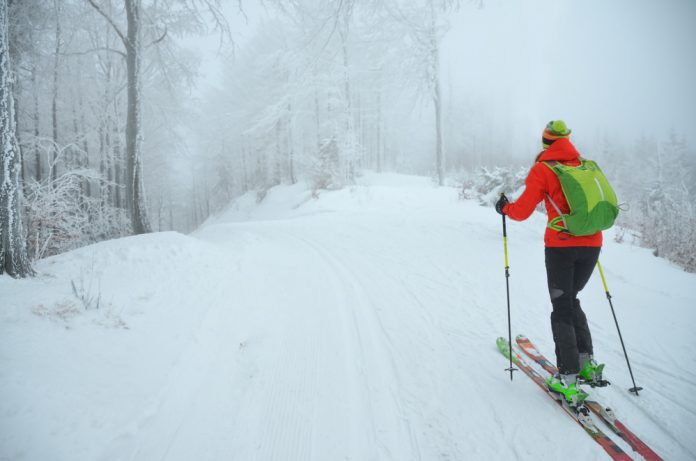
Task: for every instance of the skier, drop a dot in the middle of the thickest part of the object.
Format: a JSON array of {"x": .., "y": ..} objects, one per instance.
[{"x": 569, "y": 259}]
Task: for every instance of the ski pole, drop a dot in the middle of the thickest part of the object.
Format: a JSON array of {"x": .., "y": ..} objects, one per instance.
[
  {"x": 635, "y": 388},
  {"x": 507, "y": 287}
]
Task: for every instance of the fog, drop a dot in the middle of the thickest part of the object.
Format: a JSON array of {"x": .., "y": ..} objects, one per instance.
[{"x": 622, "y": 68}]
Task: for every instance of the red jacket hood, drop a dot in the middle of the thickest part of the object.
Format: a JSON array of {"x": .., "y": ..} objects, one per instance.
[{"x": 562, "y": 150}]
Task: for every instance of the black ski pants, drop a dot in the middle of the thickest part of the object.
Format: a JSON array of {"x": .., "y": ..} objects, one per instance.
[{"x": 568, "y": 269}]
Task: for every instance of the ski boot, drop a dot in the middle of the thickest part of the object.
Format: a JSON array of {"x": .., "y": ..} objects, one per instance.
[
  {"x": 566, "y": 388},
  {"x": 591, "y": 372}
]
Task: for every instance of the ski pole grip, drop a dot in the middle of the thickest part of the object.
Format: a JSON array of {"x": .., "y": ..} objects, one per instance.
[{"x": 507, "y": 264}]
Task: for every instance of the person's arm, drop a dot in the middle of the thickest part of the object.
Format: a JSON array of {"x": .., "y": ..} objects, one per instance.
[{"x": 522, "y": 208}]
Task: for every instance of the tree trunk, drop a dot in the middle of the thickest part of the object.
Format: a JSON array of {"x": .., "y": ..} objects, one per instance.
[
  {"x": 116, "y": 177},
  {"x": 378, "y": 127},
  {"x": 194, "y": 209},
  {"x": 13, "y": 253},
  {"x": 37, "y": 152},
  {"x": 116, "y": 159},
  {"x": 244, "y": 167},
  {"x": 160, "y": 214},
  {"x": 85, "y": 163},
  {"x": 134, "y": 180},
  {"x": 102, "y": 158},
  {"x": 54, "y": 102},
  {"x": 290, "y": 148},
  {"x": 437, "y": 97},
  {"x": 171, "y": 208},
  {"x": 349, "y": 162},
  {"x": 278, "y": 160},
  {"x": 438, "y": 136},
  {"x": 317, "y": 116},
  {"x": 16, "y": 91}
]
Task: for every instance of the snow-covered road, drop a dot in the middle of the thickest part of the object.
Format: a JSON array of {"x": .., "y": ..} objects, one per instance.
[{"x": 360, "y": 325}]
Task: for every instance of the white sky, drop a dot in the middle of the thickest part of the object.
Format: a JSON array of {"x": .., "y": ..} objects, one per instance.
[{"x": 628, "y": 64}]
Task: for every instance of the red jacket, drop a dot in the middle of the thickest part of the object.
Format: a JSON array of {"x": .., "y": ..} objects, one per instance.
[{"x": 541, "y": 181}]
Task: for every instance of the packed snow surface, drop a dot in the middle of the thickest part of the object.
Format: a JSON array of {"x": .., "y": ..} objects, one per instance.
[{"x": 358, "y": 324}]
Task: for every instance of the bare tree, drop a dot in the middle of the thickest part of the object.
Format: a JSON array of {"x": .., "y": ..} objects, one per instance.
[
  {"x": 426, "y": 24},
  {"x": 131, "y": 40},
  {"x": 132, "y": 43},
  {"x": 434, "y": 80},
  {"x": 13, "y": 253}
]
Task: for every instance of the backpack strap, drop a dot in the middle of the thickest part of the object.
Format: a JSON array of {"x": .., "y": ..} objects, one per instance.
[{"x": 554, "y": 223}]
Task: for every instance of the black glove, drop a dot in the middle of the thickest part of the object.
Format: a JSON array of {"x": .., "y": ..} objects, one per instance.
[{"x": 500, "y": 204}]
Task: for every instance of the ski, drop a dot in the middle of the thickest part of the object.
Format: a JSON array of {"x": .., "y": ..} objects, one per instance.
[
  {"x": 582, "y": 417},
  {"x": 604, "y": 413}
]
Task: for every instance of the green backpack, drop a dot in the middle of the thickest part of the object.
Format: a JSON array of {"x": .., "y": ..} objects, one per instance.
[{"x": 592, "y": 201}]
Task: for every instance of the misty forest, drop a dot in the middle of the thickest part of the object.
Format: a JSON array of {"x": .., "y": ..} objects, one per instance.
[
  {"x": 105, "y": 133},
  {"x": 278, "y": 230}
]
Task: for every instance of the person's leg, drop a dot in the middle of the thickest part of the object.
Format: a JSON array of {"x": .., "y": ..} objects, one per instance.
[
  {"x": 582, "y": 329},
  {"x": 560, "y": 274},
  {"x": 584, "y": 266}
]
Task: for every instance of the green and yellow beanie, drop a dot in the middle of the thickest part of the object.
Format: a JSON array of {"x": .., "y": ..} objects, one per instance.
[{"x": 555, "y": 129}]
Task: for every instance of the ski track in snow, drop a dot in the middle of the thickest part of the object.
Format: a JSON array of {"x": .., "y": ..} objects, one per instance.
[
  {"x": 359, "y": 326},
  {"x": 374, "y": 362}
]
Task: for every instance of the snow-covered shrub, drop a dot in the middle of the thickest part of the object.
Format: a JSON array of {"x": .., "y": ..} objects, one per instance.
[
  {"x": 324, "y": 171},
  {"x": 56, "y": 218},
  {"x": 658, "y": 197},
  {"x": 668, "y": 225},
  {"x": 334, "y": 166},
  {"x": 105, "y": 221},
  {"x": 62, "y": 217},
  {"x": 486, "y": 184}
]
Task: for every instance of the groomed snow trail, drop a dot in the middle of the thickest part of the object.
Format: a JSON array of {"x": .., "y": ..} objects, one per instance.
[{"x": 356, "y": 326}]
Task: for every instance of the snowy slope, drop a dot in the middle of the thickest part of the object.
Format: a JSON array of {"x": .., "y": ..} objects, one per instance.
[{"x": 359, "y": 325}]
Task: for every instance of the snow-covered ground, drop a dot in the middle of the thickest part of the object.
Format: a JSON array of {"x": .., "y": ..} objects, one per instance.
[{"x": 359, "y": 325}]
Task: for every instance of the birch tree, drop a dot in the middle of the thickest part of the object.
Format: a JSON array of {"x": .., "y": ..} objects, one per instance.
[{"x": 13, "y": 253}]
